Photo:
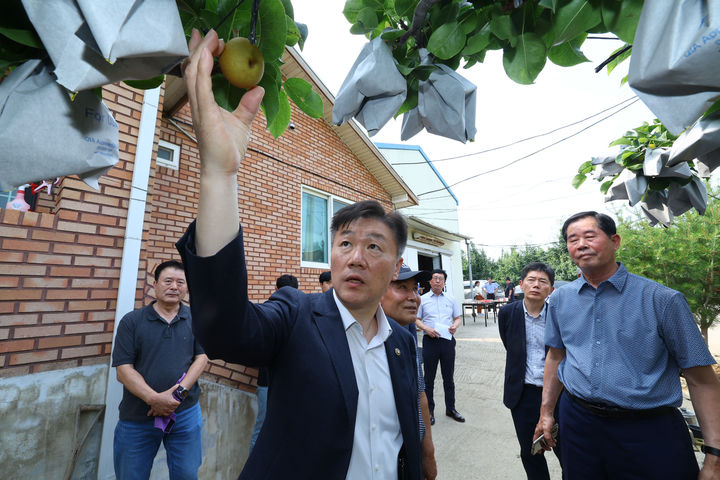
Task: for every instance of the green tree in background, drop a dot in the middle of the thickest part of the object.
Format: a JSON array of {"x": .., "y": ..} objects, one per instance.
[
  {"x": 685, "y": 257},
  {"x": 482, "y": 265},
  {"x": 511, "y": 263}
]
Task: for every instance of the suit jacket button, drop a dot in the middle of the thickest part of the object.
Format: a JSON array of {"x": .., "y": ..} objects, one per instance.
[{"x": 397, "y": 352}]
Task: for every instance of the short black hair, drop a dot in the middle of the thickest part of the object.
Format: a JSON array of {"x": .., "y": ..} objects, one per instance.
[
  {"x": 605, "y": 223},
  {"x": 439, "y": 270},
  {"x": 168, "y": 264},
  {"x": 286, "y": 281},
  {"x": 507, "y": 279},
  {"x": 538, "y": 267},
  {"x": 324, "y": 277},
  {"x": 372, "y": 209}
]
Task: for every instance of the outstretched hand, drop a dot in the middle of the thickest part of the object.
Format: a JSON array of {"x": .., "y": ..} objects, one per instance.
[{"x": 222, "y": 136}]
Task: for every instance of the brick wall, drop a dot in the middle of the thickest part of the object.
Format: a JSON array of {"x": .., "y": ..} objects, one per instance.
[
  {"x": 59, "y": 267},
  {"x": 59, "y": 270}
]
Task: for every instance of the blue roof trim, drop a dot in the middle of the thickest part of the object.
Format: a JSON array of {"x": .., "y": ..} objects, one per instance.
[{"x": 418, "y": 148}]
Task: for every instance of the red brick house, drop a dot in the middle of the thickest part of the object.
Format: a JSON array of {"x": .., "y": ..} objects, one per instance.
[{"x": 62, "y": 267}]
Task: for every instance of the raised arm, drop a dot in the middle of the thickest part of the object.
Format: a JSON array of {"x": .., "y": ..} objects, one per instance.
[{"x": 222, "y": 139}]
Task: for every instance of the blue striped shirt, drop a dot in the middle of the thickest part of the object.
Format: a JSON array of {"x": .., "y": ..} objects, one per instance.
[{"x": 625, "y": 341}]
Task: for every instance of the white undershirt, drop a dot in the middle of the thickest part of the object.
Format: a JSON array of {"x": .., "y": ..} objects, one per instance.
[{"x": 377, "y": 439}]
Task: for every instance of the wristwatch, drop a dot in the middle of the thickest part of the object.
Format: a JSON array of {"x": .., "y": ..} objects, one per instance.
[
  {"x": 180, "y": 393},
  {"x": 710, "y": 450}
]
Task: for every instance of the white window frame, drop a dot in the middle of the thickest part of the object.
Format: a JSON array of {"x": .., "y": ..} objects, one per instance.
[
  {"x": 330, "y": 198},
  {"x": 175, "y": 149}
]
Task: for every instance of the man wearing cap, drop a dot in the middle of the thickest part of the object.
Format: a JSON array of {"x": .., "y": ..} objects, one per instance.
[
  {"x": 439, "y": 317},
  {"x": 400, "y": 303}
]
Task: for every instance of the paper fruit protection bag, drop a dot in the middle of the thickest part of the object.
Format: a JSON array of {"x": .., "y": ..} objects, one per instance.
[
  {"x": 675, "y": 62},
  {"x": 46, "y": 134},
  {"x": 93, "y": 43}
]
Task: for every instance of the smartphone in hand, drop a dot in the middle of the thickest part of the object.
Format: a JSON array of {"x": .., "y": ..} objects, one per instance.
[{"x": 539, "y": 443}]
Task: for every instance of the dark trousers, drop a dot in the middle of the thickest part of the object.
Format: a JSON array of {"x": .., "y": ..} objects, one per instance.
[
  {"x": 599, "y": 448},
  {"x": 439, "y": 350},
  {"x": 525, "y": 416}
]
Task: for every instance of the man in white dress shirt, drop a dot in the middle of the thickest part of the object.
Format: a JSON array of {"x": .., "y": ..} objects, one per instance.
[{"x": 439, "y": 317}]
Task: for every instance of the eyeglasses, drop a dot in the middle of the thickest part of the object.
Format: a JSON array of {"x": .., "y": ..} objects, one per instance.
[{"x": 533, "y": 280}]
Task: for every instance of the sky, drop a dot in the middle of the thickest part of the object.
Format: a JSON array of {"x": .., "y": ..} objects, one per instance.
[{"x": 526, "y": 202}]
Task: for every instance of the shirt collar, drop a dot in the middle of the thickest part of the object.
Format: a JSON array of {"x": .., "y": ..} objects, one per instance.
[
  {"x": 527, "y": 314},
  {"x": 384, "y": 328},
  {"x": 618, "y": 279},
  {"x": 183, "y": 313}
]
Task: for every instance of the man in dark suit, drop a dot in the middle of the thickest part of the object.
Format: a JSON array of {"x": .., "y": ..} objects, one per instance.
[
  {"x": 522, "y": 330},
  {"x": 342, "y": 400}
]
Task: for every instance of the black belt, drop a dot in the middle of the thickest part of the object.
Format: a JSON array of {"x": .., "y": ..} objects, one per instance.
[{"x": 611, "y": 411}]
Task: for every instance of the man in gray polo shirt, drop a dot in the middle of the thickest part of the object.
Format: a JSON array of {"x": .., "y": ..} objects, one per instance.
[{"x": 158, "y": 362}]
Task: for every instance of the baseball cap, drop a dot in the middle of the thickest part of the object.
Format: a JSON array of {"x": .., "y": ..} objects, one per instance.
[{"x": 419, "y": 275}]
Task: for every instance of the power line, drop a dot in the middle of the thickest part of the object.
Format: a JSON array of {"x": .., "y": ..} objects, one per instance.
[
  {"x": 516, "y": 142},
  {"x": 530, "y": 154}
]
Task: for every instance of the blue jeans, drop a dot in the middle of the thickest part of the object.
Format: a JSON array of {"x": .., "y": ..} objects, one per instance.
[
  {"x": 260, "y": 419},
  {"x": 136, "y": 445}
]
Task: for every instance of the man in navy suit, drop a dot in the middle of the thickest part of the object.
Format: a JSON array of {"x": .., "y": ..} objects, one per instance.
[
  {"x": 342, "y": 400},
  {"x": 522, "y": 330}
]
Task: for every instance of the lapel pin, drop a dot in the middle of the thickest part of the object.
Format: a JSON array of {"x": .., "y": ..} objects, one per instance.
[{"x": 397, "y": 352}]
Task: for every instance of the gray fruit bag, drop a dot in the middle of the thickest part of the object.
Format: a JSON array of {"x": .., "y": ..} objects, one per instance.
[
  {"x": 675, "y": 62},
  {"x": 44, "y": 133}
]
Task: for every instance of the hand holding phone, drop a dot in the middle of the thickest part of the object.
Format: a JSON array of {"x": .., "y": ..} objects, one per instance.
[{"x": 539, "y": 444}]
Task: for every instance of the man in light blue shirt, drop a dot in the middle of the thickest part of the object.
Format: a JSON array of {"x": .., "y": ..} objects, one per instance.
[
  {"x": 490, "y": 288},
  {"x": 618, "y": 343}
]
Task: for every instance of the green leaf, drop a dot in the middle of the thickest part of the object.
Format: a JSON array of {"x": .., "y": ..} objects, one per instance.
[
  {"x": 586, "y": 167},
  {"x": 239, "y": 20},
  {"x": 525, "y": 62},
  {"x": 605, "y": 187},
  {"x": 405, "y": 8},
  {"x": 227, "y": 96},
  {"x": 568, "y": 54},
  {"x": 272, "y": 78},
  {"x": 271, "y": 99},
  {"x": 713, "y": 108},
  {"x": 368, "y": 18},
  {"x": 621, "y": 17},
  {"x": 24, "y": 37},
  {"x": 272, "y": 29},
  {"x": 574, "y": 18},
  {"x": 502, "y": 27},
  {"x": 619, "y": 59},
  {"x": 392, "y": 34},
  {"x": 148, "y": 84},
  {"x": 288, "y": 6},
  {"x": 551, "y": 4},
  {"x": 352, "y": 9},
  {"x": 293, "y": 34},
  {"x": 281, "y": 119},
  {"x": 578, "y": 180},
  {"x": 476, "y": 43},
  {"x": 621, "y": 141},
  {"x": 447, "y": 41},
  {"x": 302, "y": 95}
]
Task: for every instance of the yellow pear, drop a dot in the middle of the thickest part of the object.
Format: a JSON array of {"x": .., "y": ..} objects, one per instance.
[{"x": 242, "y": 63}]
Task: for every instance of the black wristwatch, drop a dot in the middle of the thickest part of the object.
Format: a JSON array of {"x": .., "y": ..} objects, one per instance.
[
  {"x": 180, "y": 393},
  {"x": 710, "y": 450}
]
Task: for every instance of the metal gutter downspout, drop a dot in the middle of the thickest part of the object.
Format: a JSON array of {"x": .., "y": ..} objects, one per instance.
[{"x": 129, "y": 268}]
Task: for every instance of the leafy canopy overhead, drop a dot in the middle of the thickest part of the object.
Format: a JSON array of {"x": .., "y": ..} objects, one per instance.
[{"x": 460, "y": 33}]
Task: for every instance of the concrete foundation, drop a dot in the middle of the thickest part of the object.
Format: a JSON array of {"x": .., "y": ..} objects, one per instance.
[{"x": 38, "y": 420}]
